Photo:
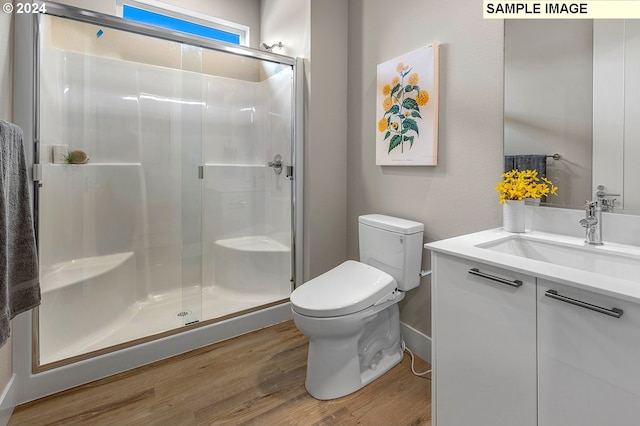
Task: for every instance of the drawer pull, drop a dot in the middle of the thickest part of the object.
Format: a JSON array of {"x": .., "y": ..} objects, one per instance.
[
  {"x": 613, "y": 312},
  {"x": 512, "y": 283}
]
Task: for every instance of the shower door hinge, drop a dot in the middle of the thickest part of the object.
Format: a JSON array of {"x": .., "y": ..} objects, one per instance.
[
  {"x": 200, "y": 172},
  {"x": 37, "y": 172}
]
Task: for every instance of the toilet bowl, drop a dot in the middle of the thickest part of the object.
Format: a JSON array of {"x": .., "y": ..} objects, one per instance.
[{"x": 350, "y": 314}]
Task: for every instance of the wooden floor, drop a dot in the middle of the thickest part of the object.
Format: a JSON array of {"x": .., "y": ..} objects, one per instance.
[{"x": 255, "y": 379}]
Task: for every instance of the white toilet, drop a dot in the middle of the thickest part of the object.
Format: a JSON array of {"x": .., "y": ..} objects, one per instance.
[{"x": 350, "y": 313}]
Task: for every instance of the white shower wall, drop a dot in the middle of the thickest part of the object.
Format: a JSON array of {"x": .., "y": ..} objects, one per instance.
[{"x": 146, "y": 129}]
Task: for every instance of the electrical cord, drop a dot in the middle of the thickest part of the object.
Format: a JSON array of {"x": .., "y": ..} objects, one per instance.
[{"x": 404, "y": 348}]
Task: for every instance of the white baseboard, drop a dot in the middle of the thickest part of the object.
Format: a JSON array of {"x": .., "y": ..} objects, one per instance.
[
  {"x": 7, "y": 402},
  {"x": 417, "y": 342}
]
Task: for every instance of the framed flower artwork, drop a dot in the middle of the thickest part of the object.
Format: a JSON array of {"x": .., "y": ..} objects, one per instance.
[{"x": 407, "y": 109}]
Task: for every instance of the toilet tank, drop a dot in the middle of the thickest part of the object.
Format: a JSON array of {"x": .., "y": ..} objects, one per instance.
[{"x": 392, "y": 245}]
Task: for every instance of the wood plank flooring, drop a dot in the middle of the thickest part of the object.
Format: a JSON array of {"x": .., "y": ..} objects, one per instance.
[{"x": 255, "y": 379}]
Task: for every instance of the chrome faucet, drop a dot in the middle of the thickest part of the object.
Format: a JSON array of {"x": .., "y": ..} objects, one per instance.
[{"x": 593, "y": 223}]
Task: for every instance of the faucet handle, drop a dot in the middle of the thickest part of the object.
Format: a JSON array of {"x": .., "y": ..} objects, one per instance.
[
  {"x": 601, "y": 194},
  {"x": 588, "y": 222}
]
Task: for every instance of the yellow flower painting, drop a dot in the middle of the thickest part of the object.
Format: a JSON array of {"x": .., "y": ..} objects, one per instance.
[{"x": 407, "y": 125}]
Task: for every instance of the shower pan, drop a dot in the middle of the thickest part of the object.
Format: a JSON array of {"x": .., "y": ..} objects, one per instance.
[{"x": 179, "y": 219}]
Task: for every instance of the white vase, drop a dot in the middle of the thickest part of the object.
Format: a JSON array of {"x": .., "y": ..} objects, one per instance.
[{"x": 513, "y": 216}]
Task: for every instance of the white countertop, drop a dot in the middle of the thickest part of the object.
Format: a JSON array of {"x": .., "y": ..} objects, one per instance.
[{"x": 466, "y": 246}]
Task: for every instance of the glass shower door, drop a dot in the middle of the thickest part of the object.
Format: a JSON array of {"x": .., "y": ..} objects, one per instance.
[
  {"x": 247, "y": 221},
  {"x": 180, "y": 214},
  {"x": 120, "y": 235},
  {"x": 191, "y": 108}
]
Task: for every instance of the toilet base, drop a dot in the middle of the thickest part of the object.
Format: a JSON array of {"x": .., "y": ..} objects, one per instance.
[
  {"x": 342, "y": 383},
  {"x": 347, "y": 353}
]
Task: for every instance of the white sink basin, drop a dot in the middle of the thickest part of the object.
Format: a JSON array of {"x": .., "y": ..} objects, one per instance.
[{"x": 609, "y": 260}]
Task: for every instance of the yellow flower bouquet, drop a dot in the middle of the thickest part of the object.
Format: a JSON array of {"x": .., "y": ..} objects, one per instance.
[{"x": 521, "y": 184}]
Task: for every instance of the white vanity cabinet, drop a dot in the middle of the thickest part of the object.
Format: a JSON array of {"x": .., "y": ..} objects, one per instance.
[
  {"x": 484, "y": 344},
  {"x": 588, "y": 360},
  {"x": 562, "y": 349}
]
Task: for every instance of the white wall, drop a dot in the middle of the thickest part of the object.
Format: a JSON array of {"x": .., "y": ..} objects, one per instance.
[
  {"x": 287, "y": 21},
  {"x": 6, "y": 114},
  {"x": 326, "y": 147},
  {"x": 457, "y": 196}
]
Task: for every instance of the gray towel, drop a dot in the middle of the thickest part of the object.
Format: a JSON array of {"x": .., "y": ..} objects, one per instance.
[
  {"x": 526, "y": 162},
  {"x": 19, "y": 283}
]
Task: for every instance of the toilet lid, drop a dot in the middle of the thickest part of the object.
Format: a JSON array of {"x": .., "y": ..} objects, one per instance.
[{"x": 345, "y": 289}]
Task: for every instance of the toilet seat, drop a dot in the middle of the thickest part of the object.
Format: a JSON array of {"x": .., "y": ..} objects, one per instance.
[{"x": 349, "y": 287}]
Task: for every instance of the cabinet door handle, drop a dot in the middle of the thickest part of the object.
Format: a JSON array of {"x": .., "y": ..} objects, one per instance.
[
  {"x": 479, "y": 273},
  {"x": 613, "y": 312}
]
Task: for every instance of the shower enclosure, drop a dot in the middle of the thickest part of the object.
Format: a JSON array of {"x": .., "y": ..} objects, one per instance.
[{"x": 183, "y": 214}]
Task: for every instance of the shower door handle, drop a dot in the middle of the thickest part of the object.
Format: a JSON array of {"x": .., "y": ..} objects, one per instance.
[{"x": 276, "y": 164}]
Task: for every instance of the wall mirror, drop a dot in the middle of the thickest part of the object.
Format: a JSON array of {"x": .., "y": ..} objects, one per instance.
[{"x": 571, "y": 88}]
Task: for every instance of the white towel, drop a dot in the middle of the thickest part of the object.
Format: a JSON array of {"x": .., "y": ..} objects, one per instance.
[{"x": 19, "y": 283}]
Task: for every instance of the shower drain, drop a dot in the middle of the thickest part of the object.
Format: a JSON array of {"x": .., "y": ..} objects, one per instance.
[{"x": 184, "y": 313}]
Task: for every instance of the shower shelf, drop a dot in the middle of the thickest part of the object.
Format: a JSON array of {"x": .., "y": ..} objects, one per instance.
[
  {"x": 77, "y": 271},
  {"x": 253, "y": 243}
]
